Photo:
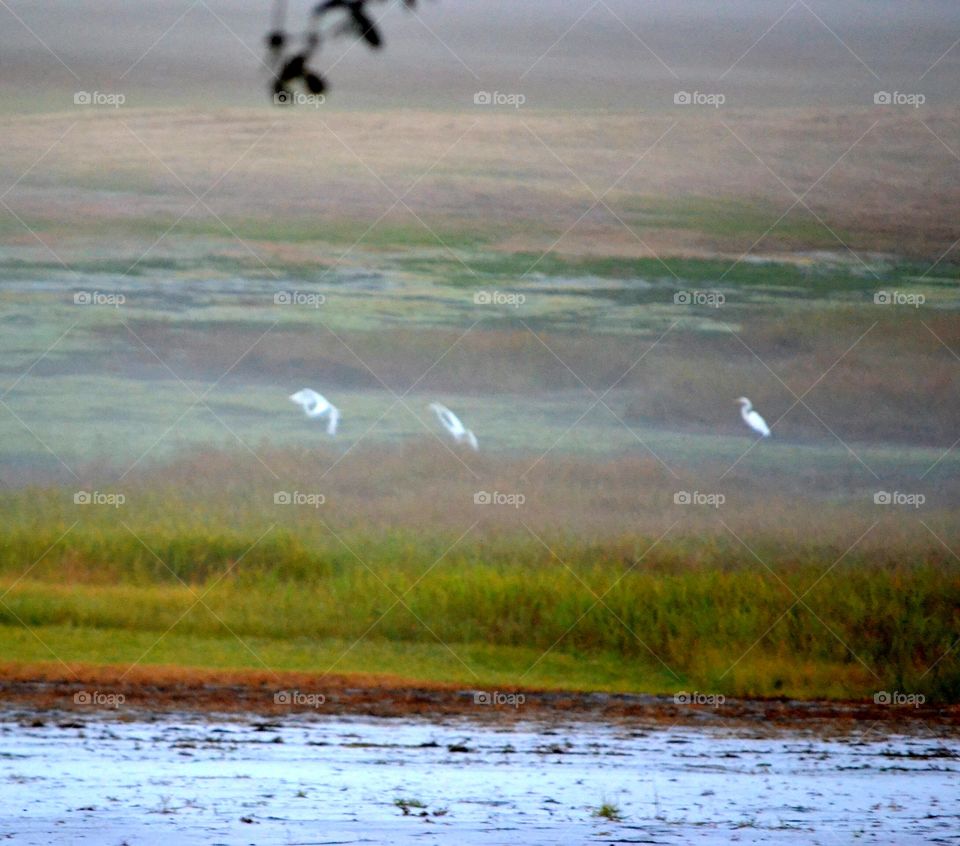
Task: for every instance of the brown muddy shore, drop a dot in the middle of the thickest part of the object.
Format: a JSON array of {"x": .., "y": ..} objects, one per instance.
[{"x": 175, "y": 689}]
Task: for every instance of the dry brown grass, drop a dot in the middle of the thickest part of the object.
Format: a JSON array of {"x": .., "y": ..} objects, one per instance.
[
  {"x": 890, "y": 186},
  {"x": 623, "y": 503}
]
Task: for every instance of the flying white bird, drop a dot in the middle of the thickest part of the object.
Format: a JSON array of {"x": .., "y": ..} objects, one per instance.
[
  {"x": 752, "y": 418},
  {"x": 452, "y": 424},
  {"x": 316, "y": 405}
]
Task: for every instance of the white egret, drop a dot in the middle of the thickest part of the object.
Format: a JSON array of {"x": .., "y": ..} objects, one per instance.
[
  {"x": 752, "y": 418},
  {"x": 316, "y": 405},
  {"x": 452, "y": 424}
]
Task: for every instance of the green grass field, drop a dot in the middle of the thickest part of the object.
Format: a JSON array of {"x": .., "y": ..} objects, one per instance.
[
  {"x": 599, "y": 396},
  {"x": 692, "y": 613}
]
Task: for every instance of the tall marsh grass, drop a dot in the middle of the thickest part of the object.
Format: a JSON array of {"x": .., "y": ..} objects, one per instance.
[{"x": 782, "y": 596}]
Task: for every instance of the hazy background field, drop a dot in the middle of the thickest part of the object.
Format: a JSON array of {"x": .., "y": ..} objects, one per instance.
[{"x": 590, "y": 280}]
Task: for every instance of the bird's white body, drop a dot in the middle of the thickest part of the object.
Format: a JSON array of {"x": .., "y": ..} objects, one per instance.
[
  {"x": 460, "y": 433},
  {"x": 752, "y": 418},
  {"x": 317, "y": 405}
]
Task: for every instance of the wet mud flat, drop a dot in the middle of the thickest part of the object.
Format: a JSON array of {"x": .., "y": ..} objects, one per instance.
[
  {"x": 157, "y": 689},
  {"x": 140, "y": 777}
]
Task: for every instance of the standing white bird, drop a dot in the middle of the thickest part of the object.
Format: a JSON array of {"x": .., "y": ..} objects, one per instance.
[
  {"x": 752, "y": 418},
  {"x": 317, "y": 405},
  {"x": 452, "y": 424}
]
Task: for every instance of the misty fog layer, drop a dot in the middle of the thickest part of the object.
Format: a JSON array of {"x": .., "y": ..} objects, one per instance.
[{"x": 586, "y": 54}]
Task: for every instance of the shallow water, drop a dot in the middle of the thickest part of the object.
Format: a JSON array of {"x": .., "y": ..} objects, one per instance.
[{"x": 311, "y": 780}]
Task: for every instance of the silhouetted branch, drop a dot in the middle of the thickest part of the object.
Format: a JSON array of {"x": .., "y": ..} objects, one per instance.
[{"x": 291, "y": 68}]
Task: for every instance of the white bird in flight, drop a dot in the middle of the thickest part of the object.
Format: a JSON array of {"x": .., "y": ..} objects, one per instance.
[
  {"x": 752, "y": 418},
  {"x": 316, "y": 405},
  {"x": 452, "y": 424}
]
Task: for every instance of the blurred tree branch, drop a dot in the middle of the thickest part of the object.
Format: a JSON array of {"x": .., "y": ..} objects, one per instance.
[{"x": 328, "y": 19}]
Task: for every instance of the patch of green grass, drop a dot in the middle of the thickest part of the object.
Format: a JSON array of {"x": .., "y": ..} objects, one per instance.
[
  {"x": 410, "y": 805},
  {"x": 729, "y": 218},
  {"x": 112, "y": 266},
  {"x": 609, "y": 812},
  {"x": 811, "y": 279},
  {"x": 340, "y": 231},
  {"x": 473, "y": 665},
  {"x": 700, "y": 613}
]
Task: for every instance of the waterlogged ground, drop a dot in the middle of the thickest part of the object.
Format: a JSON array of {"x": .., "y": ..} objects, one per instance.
[{"x": 142, "y": 779}]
